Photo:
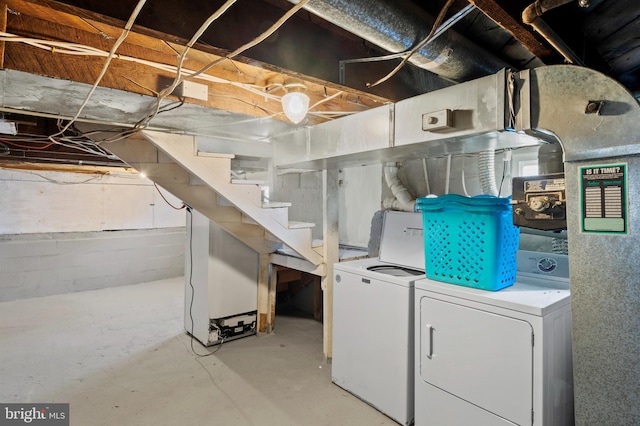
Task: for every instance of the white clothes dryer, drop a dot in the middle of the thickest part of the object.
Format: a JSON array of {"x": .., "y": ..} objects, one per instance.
[{"x": 499, "y": 358}]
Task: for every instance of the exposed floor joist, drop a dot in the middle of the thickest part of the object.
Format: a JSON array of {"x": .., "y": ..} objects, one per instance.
[
  {"x": 512, "y": 23},
  {"x": 42, "y": 22}
]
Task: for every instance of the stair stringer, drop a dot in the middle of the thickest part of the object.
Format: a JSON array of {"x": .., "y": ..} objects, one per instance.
[
  {"x": 161, "y": 156},
  {"x": 144, "y": 157}
]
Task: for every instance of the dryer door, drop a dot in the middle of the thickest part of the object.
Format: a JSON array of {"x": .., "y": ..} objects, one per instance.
[{"x": 481, "y": 357}]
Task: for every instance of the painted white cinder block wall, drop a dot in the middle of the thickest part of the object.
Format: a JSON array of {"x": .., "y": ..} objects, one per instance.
[
  {"x": 65, "y": 232},
  {"x": 359, "y": 195},
  {"x": 45, "y": 201}
]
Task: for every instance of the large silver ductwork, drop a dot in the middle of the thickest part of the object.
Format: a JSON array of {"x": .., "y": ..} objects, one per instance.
[
  {"x": 397, "y": 26},
  {"x": 605, "y": 295},
  {"x": 596, "y": 122},
  {"x": 469, "y": 117}
]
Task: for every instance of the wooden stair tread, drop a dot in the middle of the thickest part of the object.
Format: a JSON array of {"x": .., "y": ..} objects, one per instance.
[
  {"x": 300, "y": 225},
  {"x": 249, "y": 182},
  {"x": 214, "y": 155},
  {"x": 275, "y": 204}
]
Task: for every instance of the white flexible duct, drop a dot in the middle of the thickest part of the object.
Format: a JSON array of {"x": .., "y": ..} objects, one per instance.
[
  {"x": 403, "y": 200},
  {"x": 487, "y": 172}
]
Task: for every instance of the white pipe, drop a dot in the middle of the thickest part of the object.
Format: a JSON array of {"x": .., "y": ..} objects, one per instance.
[
  {"x": 395, "y": 204},
  {"x": 464, "y": 185},
  {"x": 405, "y": 201},
  {"x": 532, "y": 15},
  {"x": 506, "y": 174},
  {"x": 448, "y": 176},
  {"x": 487, "y": 172},
  {"x": 426, "y": 175}
]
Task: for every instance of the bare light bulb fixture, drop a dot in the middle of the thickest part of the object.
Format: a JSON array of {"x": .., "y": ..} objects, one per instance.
[{"x": 295, "y": 103}]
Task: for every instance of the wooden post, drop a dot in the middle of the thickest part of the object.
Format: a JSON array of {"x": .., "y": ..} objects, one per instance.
[
  {"x": 329, "y": 252},
  {"x": 3, "y": 28},
  {"x": 266, "y": 295}
]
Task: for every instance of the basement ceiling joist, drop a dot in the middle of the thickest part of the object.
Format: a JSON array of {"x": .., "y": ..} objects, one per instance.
[
  {"x": 506, "y": 14},
  {"x": 245, "y": 87}
]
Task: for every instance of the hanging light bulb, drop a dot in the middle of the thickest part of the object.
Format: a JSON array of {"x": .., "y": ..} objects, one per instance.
[{"x": 295, "y": 103}]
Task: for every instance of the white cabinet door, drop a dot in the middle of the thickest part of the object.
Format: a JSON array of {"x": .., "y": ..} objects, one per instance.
[{"x": 483, "y": 358}]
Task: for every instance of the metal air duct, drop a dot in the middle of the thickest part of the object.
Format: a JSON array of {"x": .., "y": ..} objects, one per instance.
[{"x": 398, "y": 26}]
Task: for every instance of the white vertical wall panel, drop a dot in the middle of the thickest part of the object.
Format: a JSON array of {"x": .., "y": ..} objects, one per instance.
[
  {"x": 360, "y": 195},
  {"x": 42, "y": 202}
]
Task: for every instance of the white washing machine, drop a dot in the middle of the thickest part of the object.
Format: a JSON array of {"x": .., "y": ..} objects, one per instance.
[
  {"x": 373, "y": 319},
  {"x": 496, "y": 358}
]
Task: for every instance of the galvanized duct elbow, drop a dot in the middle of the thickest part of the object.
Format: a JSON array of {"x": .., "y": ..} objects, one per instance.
[{"x": 398, "y": 26}]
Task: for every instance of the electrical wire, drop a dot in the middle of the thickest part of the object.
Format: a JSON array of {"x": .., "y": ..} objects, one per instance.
[
  {"x": 77, "y": 49},
  {"x": 420, "y": 45},
  {"x": 235, "y": 98},
  {"x": 79, "y": 143},
  {"x": 90, "y": 51},
  {"x": 426, "y": 175},
  {"x": 11, "y": 142},
  {"x": 193, "y": 40},
  {"x": 464, "y": 185},
  {"x": 328, "y": 98},
  {"x": 504, "y": 171},
  {"x": 193, "y": 290},
  {"x": 144, "y": 122},
  {"x": 112, "y": 52},
  {"x": 167, "y": 201},
  {"x": 448, "y": 175},
  {"x": 60, "y": 182},
  {"x": 256, "y": 40},
  {"x": 181, "y": 73},
  {"x": 506, "y": 159},
  {"x": 178, "y": 79}
]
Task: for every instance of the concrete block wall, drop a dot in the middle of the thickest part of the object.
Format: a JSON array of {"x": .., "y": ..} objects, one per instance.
[
  {"x": 359, "y": 197},
  {"x": 36, "y": 265},
  {"x": 304, "y": 191}
]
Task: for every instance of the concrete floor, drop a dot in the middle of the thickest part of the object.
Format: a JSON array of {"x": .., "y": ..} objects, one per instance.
[{"x": 120, "y": 356}]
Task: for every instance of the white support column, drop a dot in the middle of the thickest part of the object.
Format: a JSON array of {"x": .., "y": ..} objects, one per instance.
[{"x": 330, "y": 237}]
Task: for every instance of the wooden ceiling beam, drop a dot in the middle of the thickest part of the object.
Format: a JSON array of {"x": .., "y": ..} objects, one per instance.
[
  {"x": 508, "y": 14},
  {"x": 3, "y": 27},
  {"x": 38, "y": 20}
]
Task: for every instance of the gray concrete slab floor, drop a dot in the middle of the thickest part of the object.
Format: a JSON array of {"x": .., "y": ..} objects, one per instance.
[{"x": 120, "y": 356}]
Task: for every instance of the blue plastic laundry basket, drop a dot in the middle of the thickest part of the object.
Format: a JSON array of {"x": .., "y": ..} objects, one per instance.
[{"x": 470, "y": 241}]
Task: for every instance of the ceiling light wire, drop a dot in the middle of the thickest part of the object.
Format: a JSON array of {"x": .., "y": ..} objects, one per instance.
[
  {"x": 255, "y": 41},
  {"x": 178, "y": 79},
  {"x": 420, "y": 45},
  {"x": 142, "y": 123},
  {"x": 77, "y": 49},
  {"x": 328, "y": 98},
  {"x": 105, "y": 66}
]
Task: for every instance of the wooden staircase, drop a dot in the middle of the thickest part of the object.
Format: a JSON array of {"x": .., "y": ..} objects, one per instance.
[{"x": 203, "y": 181}]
